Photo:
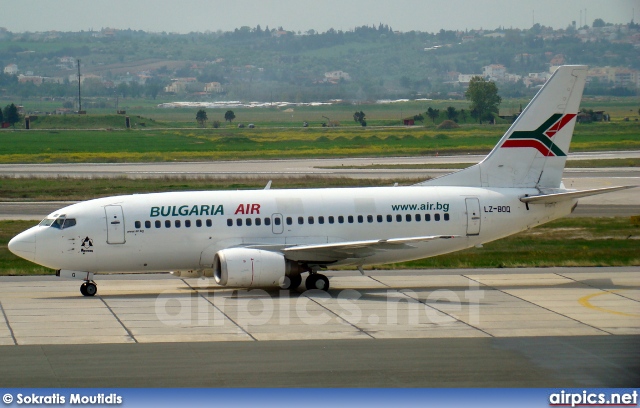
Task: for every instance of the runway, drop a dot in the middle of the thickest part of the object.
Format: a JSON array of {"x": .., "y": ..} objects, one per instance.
[
  {"x": 285, "y": 168},
  {"x": 502, "y": 327}
]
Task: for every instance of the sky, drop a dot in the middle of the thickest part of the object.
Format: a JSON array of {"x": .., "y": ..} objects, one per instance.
[{"x": 183, "y": 16}]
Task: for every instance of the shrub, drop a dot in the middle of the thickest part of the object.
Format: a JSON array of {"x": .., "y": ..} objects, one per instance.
[{"x": 448, "y": 124}]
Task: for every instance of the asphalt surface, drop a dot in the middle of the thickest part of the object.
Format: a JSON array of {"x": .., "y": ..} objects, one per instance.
[{"x": 555, "y": 362}]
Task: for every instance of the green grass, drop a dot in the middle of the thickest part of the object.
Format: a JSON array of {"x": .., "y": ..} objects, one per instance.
[
  {"x": 227, "y": 143},
  {"x": 566, "y": 242}
]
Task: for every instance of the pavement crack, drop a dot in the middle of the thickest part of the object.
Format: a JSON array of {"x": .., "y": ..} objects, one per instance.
[
  {"x": 220, "y": 310},
  {"x": 537, "y": 305},
  {"x": 597, "y": 288},
  {"x": 118, "y": 319},
  {"x": 6, "y": 319}
]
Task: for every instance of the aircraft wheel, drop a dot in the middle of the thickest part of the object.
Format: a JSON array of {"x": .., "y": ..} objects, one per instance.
[
  {"x": 83, "y": 289},
  {"x": 292, "y": 282},
  {"x": 317, "y": 281},
  {"x": 90, "y": 289}
]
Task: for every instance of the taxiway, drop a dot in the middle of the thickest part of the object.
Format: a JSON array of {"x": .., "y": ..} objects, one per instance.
[{"x": 502, "y": 327}]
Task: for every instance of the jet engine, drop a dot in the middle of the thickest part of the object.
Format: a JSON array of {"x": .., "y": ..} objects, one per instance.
[{"x": 245, "y": 267}]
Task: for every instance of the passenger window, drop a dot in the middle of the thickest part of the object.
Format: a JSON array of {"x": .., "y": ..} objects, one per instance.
[
  {"x": 209, "y": 223},
  {"x": 277, "y": 220},
  {"x": 258, "y": 221},
  {"x": 389, "y": 218},
  {"x": 331, "y": 220},
  {"x": 229, "y": 222},
  {"x": 418, "y": 217},
  {"x": 167, "y": 224},
  {"x": 289, "y": 221},
  {"x": 321, "y": 220},
  {"x": 300, "y": 220},
  {"x": 436, "y": 217},
  {"x": 187, "y": 223},
  {"x": 137, "y": 224},
  {"x": 310, "y": 220},
  {"x": 350, "y": 219},
  {"x": 341, "y": 219},
  {"x": 379, "y": 218},
  {"x": 158, "y": 224},
  {"x": 399, "y": 218},
  {"x": 408, "y": 217},
  {"x": 360, "y": 219},
  {"x": 239, "y": 222},
  {"x": 177, "y": 223},
  {"x": 69, "y": 222},
  {"x": 427, "y": 217},
  {"x": 147, "y": 224},
  {"x": 446, "y": 216},
  {"x": 248, "y": 222},
  {"x": 267, "y": 221},
  {"x": 369, "y": 218},
  {"x": 198, "y": 223}
]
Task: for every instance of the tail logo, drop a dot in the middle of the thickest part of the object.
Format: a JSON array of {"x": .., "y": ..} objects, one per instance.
[{"x": 541, "y": 138}]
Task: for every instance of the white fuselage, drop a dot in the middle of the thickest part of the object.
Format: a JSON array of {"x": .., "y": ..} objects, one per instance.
[{"x": 184, "y": 230}]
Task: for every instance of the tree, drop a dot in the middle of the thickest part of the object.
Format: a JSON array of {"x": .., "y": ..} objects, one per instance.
[
  {"x": 229, "y": 116},
  {"x": 598, "y": 22},
  {"x": 484, "y": 98},
  {"x": 418, "y": 118},
  {"x": 452, "y": 113},
  {"x": 201, "y": 117},
  {"x": 463, "y": 114},
  {"x": 360, "y": 118},
  {"x": 433, "y": 114},
  {"x": 1, "y": 118},
  {"x": 11, "y": 115}
]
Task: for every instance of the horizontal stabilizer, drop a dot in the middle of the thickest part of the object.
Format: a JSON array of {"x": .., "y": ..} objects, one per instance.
[{"x": 569, "y": 195}]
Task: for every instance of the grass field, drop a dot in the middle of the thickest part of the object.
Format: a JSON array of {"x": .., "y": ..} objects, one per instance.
[
  {"x": 566, "y": 242},
  {"x": 62, "y": 146}
]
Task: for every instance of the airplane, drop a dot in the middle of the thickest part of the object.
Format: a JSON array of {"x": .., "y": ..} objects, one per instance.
[{"x": 270, "y": 237}]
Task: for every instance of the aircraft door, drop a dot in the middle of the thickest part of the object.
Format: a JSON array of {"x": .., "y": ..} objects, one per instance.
[
  {"x": 115, "y": 224},
  {"x": 277, "y": 224},
  {"x": 473, "y": 216}
]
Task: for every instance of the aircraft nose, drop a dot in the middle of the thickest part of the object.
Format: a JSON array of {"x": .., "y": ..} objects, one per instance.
[{"x": 24, "y": 245}]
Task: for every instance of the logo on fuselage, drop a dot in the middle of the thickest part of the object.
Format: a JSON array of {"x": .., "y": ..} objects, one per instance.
[
  {"x": 541, "y": 139},
  {"x": 87, "y": 245}
]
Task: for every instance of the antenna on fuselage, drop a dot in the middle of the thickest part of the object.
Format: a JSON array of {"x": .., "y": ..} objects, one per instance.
[{"x": 268, "y": 186}]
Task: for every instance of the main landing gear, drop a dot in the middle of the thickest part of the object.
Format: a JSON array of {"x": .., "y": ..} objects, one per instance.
[
  {"x": 88, "y": 288},
  {"x": 313, "y": 281},
  {"x": 317, "y": 281}
]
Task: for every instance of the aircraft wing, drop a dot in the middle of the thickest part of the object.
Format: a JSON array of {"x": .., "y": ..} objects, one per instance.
[{"x": 353, "y": 249}]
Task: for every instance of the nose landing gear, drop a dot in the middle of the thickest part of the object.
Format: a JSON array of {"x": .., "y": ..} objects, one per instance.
[{"x": 88, "y": 288}]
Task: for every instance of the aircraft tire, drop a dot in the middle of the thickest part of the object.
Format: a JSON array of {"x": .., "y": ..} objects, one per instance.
[
  {"x": 317, "y": 281},
  {"x": 91, "y": 289},
  {"x": 83, "y": 289},
  {"x": 292, "y": 282}
]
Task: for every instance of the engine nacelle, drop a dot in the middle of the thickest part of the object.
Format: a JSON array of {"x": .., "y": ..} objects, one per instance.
[{"x": 243, "y": 267}]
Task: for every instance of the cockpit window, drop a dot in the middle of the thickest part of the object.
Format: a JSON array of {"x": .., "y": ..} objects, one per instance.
[
  {"x": 59, "y": 222},
  {"x": 46, "y": 222},
  {"x": 69, "y": 222}
]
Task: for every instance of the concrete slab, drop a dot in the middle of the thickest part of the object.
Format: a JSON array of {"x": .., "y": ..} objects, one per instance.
[{"x": 383, "y": 305}]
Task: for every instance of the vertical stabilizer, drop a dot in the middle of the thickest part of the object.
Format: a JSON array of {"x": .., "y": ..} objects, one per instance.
[{"x": 533, "y": 152}]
